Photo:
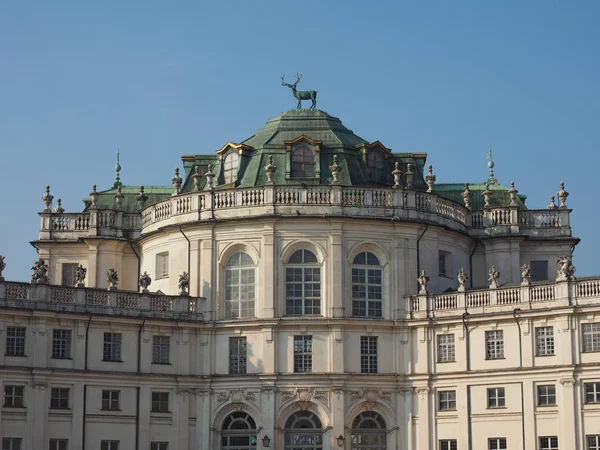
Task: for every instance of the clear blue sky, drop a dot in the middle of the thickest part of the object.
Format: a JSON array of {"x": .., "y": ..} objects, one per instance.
[{"x": 160, "y": 79}]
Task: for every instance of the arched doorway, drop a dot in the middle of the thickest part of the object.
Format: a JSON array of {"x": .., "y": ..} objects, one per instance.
[
  {"x": 368, "y": 432},
  {"x": 238, "y": 432},
  {"x": 303, "y": 431}
]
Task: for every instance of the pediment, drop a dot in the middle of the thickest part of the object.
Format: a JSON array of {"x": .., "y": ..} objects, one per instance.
[
  {"x": 303, "y": 138},
  {"x": 239, "y": 148}
]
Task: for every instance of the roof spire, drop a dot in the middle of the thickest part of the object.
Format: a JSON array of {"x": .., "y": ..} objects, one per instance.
[
  {"x": 117, "y": 182},
  {"x": 491, "y": 178}
]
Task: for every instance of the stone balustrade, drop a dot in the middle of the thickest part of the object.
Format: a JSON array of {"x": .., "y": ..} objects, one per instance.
[
  {"x": 583, "y": 291},
  {"x": 100, "y": 301},
  {"x": 334, "y": 200}
]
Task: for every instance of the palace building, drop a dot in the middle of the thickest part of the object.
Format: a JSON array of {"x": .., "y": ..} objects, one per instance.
[{"x": 304, "y": 289}]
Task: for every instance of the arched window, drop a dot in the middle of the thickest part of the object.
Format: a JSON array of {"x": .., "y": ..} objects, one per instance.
[
  {"x": 375, "y": 165},
  {"x": 303, "y": 162},
  {"x": 230, "y": 167},
  {"x": 238, "y": 432},
  {"x": 367, "y": 275},
  {"x": 303, "y": 431},
  {"x": 239, "y": 286},
  {"x": 302, "y": 284},
  {"x": 368, "y": 432}
]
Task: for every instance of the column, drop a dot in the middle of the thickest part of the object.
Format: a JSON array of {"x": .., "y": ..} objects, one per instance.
[
  {"x": 268, "y": 414},
  {"x": 92, "y": 273},
  {"x": 180, "y": 427},
  {"x": 145, "y": 406},
  {"x": 77, "y": 408},
  {"x": 37, "y": 410},
  {"x": 336, "y": 271},
  {"x": 423, "y": 427},
  {"x": 269, "y": 268},
  {"x": 203, "y": 419},
  {"x": 206, "y": 278},
  {"x": 566, "y": 413},
  {"x": 339, "y": 414},
  {"x": 195, "y": 287}
]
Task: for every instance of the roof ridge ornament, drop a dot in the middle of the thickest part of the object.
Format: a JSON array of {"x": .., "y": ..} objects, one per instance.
[
  {"x": 117, "y": 182},
  {"x": 301, "y": 95},
  {"x": 491, "y": 178}
]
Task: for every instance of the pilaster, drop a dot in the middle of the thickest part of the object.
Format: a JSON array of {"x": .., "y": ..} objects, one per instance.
[
  {"x": 566, "y": 413},
  {"x": 269, "y": 271},
  {"x": 336, "y": 263}
]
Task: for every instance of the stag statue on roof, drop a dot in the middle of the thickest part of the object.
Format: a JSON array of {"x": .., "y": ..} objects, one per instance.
[{"x": 301, "y": 95}]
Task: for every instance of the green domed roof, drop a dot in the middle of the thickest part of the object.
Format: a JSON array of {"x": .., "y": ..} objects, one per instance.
[{"x": 316, "y": 124}]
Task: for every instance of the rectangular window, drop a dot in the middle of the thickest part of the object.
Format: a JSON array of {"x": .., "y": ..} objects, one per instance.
[
  {"x": 15, "y": 341},
  {"x": 109, "y": 445},
  {"x": 592, "y": 392},
  {"x": 549, "y": 443},
  {"x": 447, "y": 400},
  {"x": 112, "y": 347},
  {"x": 444, "y": 268},
  {"x": 446, "y": 349},
  {"x": 593, "y": 442},
  {"x": 58, "y": 444},
  {"x": 494, "y": 344},
  {"x": 448, "y": 444},
  {"x": 237, "y": 355},
  {"x": 368, "y": 354},
  {"x": 61, "y": 344},
  {"x": 11, "y": 443},
  {"x": 591, "y": 337},
  {"x": 539, "y": 270},
  {"x": 59, "y": 398},
  {"x": 495, "y": 398},
  {"x": 544, "y": 341},
  {"x": 546, "y": 395},
  {"x": 160, "y": 402},
  {"x": 13, "y": 396},
  {"x": 497, "y": 444},
  {"x": 159, "y": 446},
  {"x": 162, "y": 265},
  {"x": 68, "y": 274},
  {"x": 302, "y": 353},
  {"x": 160, "y": 349},
  {"x": 110, "y": 400}
]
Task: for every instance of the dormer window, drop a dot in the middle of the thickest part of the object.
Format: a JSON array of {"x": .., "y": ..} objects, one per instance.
[
  {"x": 375, "y": 160},
  {"x": 230, "y": 167},
  {"x": 303, "y": 163}
]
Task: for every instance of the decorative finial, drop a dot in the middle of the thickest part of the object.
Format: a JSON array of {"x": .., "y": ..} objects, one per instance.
[
  {"x": 270, "y": 169},
  {"x": 145, "y": 281},
  {"x": 2, "y": 267},
  {"x": 335, "y": 169},
  {"x": 487, "y": 196},
  {"x": 141, "y": 198},
  {"x": 552, "y": 204},
  {"x": 462, "y": 278},
  {"x": 184, "y": 283},
  {"x": 196, "y": 177},
  {"x": 491, "y": 178},
  {"x": 80, "y": 273},
  {"x": 423, "y": 281},
  {"x": 565, "y": 270},
  {"x": 47, "y": 199},
  {"x": 525, "y": 275},
  {"x": 176, "y": 180},
  {"x": 210, "y": 177},
  {"x": 562, "y": 195},
  {"x": 430, "y": 178},
  {"x": 410, "y": 176},
  {"x": 467, "y": 196},
  {"x": 493, "y": 277},
  {"x": 113, "y": 278},
  {"x": 59, "y": 209},
  {"x": 117, "y": 182},
  {"x": 512, "y": 192},
  {"x": 119, "y": 199},
  {"x": 396, "y": 173},
  {"x": 39, "y": 271},
  {"x": 94, "y": 196}
]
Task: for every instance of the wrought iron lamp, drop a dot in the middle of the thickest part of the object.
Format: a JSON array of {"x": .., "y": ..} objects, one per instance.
[
  {"x": 340, "y": 440},
  {"x": 266, "y": 441}
]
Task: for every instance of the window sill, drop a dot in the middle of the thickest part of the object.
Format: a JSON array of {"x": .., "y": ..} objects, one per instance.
[
  {"x": 161, "y": 277},
  {"x": 160, "y": 413},
  {"x": 494, "y": 359},
  {"x": 111, "y": 410},
  {"x": 443, "y": 411},
  {"x": 447, "y": 362},
  {"x": 161, "y": 364},
  {"x": 590, "y": 351},
  {"x": 544, "y": 356},
  {"x": 443, "y": 275},
  {"x": 59, "y": 409},
  {"x": 15, "y": 356},
  {"x": 496, "y": 407},
  {"x": 22, "y": 407},
  {"x": 113, "y": 360},
  {"x": 554, "y": 405},
  {"x": 68, "y": 358}
]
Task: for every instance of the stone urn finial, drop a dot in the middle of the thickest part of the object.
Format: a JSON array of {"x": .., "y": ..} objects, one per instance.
[
  {"x": 270, "y": 169},
  {"x": 430, "y": 178},
  {"x": 565, "y": 270},
  {"x": 39, "y": 272},
  {"x": 335, "y": 169},
  {"x": 47, "y": 199},
  {"x": 2, "y": 267},
  {"x": 467, "y": 196},
  {"x": 525, "y": 275},
  {"x": 94, "y": 197},
  {"x": 59, "y": 209},
  {"x": 184, "y": 283},
  {"x": 462, "y": 278},
  {"x": 423, "y": 281},
  {"x": 552, "y": 204},
  {"x": 487, "y": 196},
  {"x": 145, "y": 281},
  {"x": 113, "y": 279},
  {"x": 141, "y": 198},
  {"x": 196, "y": 178},
  {"x": 493, "y": 277},
  {"x": 210, "y": 177},
  {"x": 80, "y": 273},
  {"x": 119, "y": 199},
  {"x": 397, "y": 173},
  {"x": 410, "y": 176},
  {"x": 512, "y": 193},
  {"x": 562, "y": 195},
  {"x": 176, "y": 180}
]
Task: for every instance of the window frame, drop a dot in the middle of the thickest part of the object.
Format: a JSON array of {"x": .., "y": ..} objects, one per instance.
[
  {"x": 11, "y": 443},
  {"x": 544, "y": 341},
  {"x": 301, "y": 172},
  {"x": 591, "y": 388},
  {"x": 545, "y": 443},
  {"x": 110, "y": 403},
  {"x": 61, "y": 343},
  {"x": 592, "y": 442},
  {"x": 448, "y": 444},
  {"x": 302, "y": 355},
  {"x": 112, "y": 349},
  {"x": 590, "y": 337},
  {"x": 308, "y": 305},
  {"x": 109, "y": 445},
  {"x": 496, "y": 398},
  {"x": 548, "y": 396},
  {"x": 160, "y": 402},
  {"x": 369, "y": 354},
  {"x": 16, "y": 339},
  {"x": 15, "y": 398},
  {"x": 497, "y": 443},
  {"x": 67, "y": 274},
  {"x": 238, "y": 355},
  {"x": 494, "y": 344},
  {"x": 446, "y": 351},
  {"x": 447, "y": 400},
  {"x": 162, "y": 265},
  {"x": 161, "y": 351},
  {"x": 539, "y": 270},
  {"x": 367, "y": 278},
  {"x": 240, "y": 277},
  {"x": 159, "y": 445},
  {"x": 58, "y": 444},
  {"x": 230, "y": 169},
  {"x": 60, "y": 398}
]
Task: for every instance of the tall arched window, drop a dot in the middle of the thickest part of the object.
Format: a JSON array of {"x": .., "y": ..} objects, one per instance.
[
  {"x": 239, "y": 286},
  {"x": 367, "y": 300},
  {"x": 238, "y": 432},
  {"x": 303, "y": 431},
  {"x": 368, "y": 432},
  {"x": 302, "y": 284},
  {"x": 303, "y": 162},
  {"x": 230, "y": 167}
]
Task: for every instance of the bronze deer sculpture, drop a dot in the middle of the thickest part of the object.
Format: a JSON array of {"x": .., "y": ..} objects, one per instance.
[{"x": 301, "y": 95}]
